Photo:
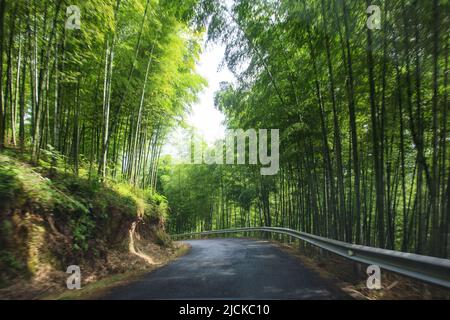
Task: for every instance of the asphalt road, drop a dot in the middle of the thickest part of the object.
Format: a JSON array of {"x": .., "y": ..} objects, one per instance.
[{"x": 230, "y": 269}]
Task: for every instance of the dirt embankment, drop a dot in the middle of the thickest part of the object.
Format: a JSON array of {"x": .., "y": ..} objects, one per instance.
[{"x": 43, "y": 253}]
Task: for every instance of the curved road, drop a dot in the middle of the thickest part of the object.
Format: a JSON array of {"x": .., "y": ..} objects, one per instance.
[{"x": 230, "y": 269}]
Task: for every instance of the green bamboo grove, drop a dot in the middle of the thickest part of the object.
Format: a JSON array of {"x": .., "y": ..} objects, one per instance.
[
  {"x": 362, "y": 112},
  {"x": 100, "y": 97},
  {"x": 364, "y": 123}
]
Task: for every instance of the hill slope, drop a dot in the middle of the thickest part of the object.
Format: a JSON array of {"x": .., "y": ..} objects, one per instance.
[{"x": 50, "y": 220}]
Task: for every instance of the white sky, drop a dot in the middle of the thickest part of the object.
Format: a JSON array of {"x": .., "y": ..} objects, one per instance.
[{"x": 205, "y": 118}]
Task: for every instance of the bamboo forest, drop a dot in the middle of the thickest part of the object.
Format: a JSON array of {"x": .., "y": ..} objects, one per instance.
[{"x": 93, "y": 91}]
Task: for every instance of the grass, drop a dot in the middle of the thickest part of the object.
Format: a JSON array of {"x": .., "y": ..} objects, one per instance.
[
  {"x": 52, "y": 183},
  {"x": 101, "y": 287}
]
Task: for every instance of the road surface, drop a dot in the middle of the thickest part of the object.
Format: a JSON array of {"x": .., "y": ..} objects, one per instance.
[{"x": 230, "y": 269}]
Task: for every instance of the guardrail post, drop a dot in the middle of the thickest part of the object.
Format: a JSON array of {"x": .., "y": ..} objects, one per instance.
[{"x": 357, "y": 269}]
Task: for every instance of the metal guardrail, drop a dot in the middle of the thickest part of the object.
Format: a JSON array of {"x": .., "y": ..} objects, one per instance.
[{"x": 429, "y": 269}]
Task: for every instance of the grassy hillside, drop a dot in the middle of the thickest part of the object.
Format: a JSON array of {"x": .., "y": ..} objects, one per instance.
[{"x": 50, "y": 219}]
